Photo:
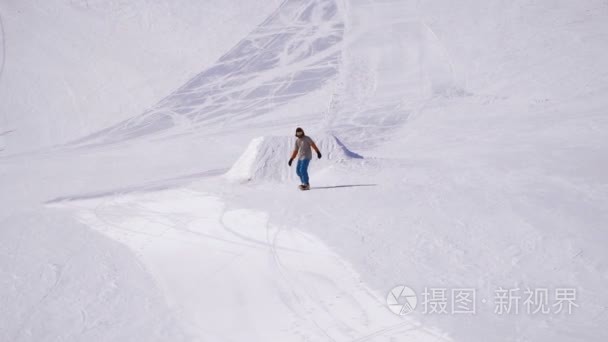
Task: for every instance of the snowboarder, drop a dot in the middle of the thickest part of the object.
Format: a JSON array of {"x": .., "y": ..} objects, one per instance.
[{"x": 302, "y": 150}]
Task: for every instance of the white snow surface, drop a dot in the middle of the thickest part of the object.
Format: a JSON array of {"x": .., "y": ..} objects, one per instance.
[
  {"x": 146, "y": 194},
  {"x": 77, "y": 66}
]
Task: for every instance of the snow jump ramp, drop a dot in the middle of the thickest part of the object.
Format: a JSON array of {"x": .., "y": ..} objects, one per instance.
[{"x": 265, "y": 159}]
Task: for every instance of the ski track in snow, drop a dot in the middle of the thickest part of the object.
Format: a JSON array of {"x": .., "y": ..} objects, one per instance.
[
  {"x": 390, "y": 67},
  {"x": 252, "y": 280},
  {"x": 293, "y": 53},
  {"x": 298, "y": 50}
]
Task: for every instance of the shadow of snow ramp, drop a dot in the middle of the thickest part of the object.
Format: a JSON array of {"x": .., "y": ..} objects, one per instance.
[{"x": 265, "y": 159}]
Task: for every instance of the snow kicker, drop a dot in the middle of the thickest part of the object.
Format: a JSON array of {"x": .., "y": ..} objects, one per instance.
[{"x": 266, "y": 158}]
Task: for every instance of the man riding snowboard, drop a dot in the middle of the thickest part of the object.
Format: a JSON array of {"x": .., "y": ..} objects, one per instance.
[{"x": 304, "y": 154}]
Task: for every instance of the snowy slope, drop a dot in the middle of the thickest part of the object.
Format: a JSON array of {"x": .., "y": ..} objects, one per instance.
[
  {"x": 292, "y": 53},
  {"x": 252, "y": 280},
  {"x": 483, "y": 130},
  {"x": 61, "y": 281},
  {"x": 74, "y": 67}
]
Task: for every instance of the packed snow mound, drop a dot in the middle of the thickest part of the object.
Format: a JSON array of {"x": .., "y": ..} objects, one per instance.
[{"x": 266, "y": 158}]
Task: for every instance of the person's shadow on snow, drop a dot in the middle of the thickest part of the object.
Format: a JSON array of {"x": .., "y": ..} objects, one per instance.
[{"x": 340, "y": 186}]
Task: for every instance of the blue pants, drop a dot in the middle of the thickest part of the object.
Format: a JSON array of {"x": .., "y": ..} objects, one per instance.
[{"x": 302, "y": 170}]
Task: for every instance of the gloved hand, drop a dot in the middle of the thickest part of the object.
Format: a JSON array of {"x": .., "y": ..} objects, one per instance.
[
  {"x": 290, "y": 161},
  {"x": 319, "y": 154}
]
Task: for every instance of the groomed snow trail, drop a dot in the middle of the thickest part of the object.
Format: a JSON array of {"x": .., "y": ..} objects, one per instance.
[{"x": 231, "y": 276}]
